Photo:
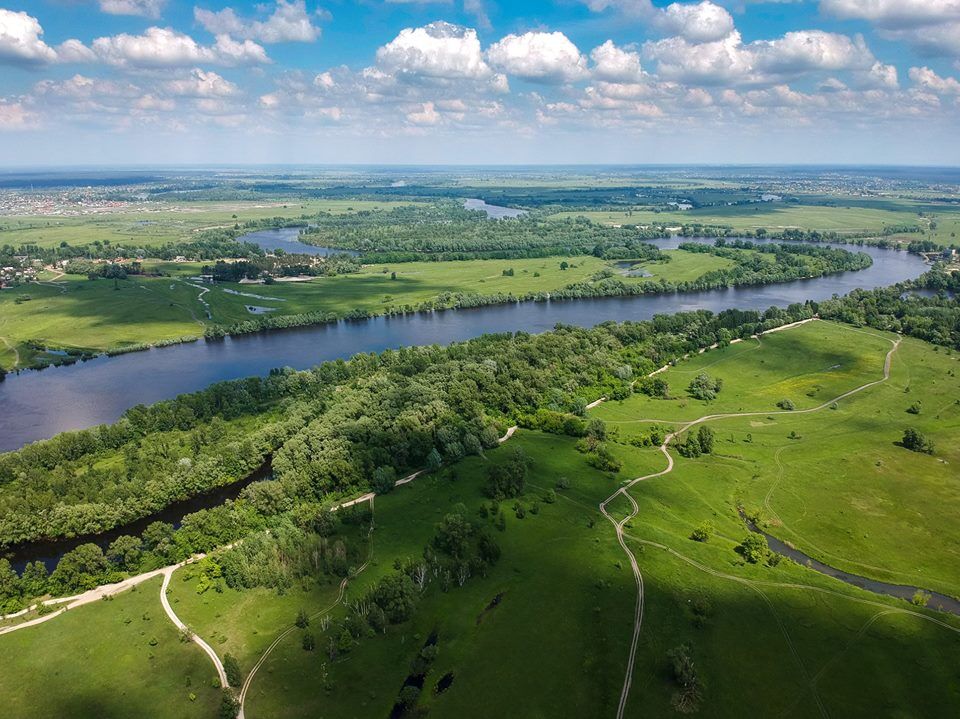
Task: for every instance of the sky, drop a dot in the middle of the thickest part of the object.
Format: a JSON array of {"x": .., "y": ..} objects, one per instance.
[{"x": 479, "y": 82}]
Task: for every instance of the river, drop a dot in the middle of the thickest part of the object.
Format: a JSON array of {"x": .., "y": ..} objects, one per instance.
[
  {"x": 936, "y": 600},
  {"x": 37, "y": 404}
]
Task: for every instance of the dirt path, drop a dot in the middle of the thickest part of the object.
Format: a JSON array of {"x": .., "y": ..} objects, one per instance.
[
  {"x": 167, "y": 573},
  {"x": 624, "y": 491},
  {"x": 276, "y": 642}
]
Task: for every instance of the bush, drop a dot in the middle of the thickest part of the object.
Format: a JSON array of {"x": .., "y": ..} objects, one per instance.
[
  {"x": 232, "y": 669},
  {"x": 916, "y": 442},
  {"x": 786, "y": 404},
  {"x": 754, "y": 548},
  {"x": 704, "y": 387},
  {"x": 701, "y": 532},
  {"x": 309, "y": 642}
]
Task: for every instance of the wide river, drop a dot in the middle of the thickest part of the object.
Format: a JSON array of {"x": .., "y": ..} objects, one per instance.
[{"x": 39, "y": 404}]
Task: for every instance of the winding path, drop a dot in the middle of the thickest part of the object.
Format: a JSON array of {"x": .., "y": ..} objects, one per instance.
[
  {"x": 624, "y": 491},
  {"x": 167, "y": 573}
]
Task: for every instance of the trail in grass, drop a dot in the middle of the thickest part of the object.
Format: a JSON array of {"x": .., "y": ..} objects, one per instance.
[
  {"x": 221, "y": 673},
  {"x": 624, "y": 491},
  {"x": 276, "y": 642}
]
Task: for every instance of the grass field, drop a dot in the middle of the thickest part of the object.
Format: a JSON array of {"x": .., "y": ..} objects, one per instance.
[
  {"x": 777, "y": 640},
  {"x": 844, "y": 216},
  {"x": 840, "y": 488},
  {"x": 118, "y": 658},
  {"x": 168, "y": 222},
  {"x": 96, "y": 316}
]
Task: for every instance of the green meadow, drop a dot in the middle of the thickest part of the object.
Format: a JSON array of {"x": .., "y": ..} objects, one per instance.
[
  {"x": 165, "y": 222},
  {"x": 101, "y": 315},
  {"x": 836, "y": 214},
  {"x": 113, "y": 658},
  {"x": 547, "y": 631}
]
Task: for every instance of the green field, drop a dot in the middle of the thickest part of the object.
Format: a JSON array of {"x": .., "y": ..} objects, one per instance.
[
  {"x": 766, "y": 640},
  {"x": 842, "y": 215},
  {"x": 166, "y": 222},
  {"x": 840, "y": 489},
  {"x": 96, "y": 316},
  {"x": 117, "y": 658}
]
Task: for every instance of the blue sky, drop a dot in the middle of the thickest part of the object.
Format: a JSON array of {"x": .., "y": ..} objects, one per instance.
[{"x": 479, "y": 81}]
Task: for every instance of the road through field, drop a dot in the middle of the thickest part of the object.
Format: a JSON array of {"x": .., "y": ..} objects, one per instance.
[{"x": 624, "y": 492}]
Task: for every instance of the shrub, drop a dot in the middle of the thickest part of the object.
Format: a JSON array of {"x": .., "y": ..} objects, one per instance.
[
  {"x": 704, "y": 387},
  {"x": 916, "y": 442},
  {"x": 701, "y": 532},
  {"x": 754, "y": 548},
  {"x": 786, "y": 404},
  {"x": 231, "y": 668}
]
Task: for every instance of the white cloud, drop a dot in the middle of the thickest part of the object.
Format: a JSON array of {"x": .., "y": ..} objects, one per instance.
[
  {"x": 700, "y": 22},
  {"x": 201, "y": 83},
  {"x": 812, "y": 50},
  {"x": 927, "y": 79},
  {"x": 931, "y": 26},
  {"x": 426, "y": 115},
  {"x": 21, "y": 40},
  {"x": 878, "y": 76},
  {"x": 940, "y": 39},
  {"x": 540, "y": 56},
  {"x": 81, "y": 87},
  {"x": 152, "y": 103},
  {"x": 894, "y": 13},
  {"x": 144, "y": 8},
  {"x": 14, "y": 116},
  {"x": 731, "y": 61},
  {"x": 289, "y": 22},
  {"x": 437, "y": 50},
  {"x": 164, "y": 47},
  {"x": 614, "y": 64}
]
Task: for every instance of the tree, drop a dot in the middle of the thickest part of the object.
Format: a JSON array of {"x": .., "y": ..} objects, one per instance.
[
  {"x": 309, "y": 642},
  {"x": 705, "y": 388},
  {"x": 384, "y": 479},
  {"x": 396, "y": 595},
  {"x": 915, "y": 441},
  {"x": 303, "y": 621},
  {"x": 434, "y": 460},
  {"x": 754, "y": 548},
  {"x": 705, "y": 439},
  {"x": 231, "y": 667},
  {"x": 125, "y": 552},
  {"x": 409, "y": 696},
  {"x": 345, "y": 642},
  {"x": 82, "y": 568},
  {"x": 787, "y": 405},
  {"x": 509, "y": 479}
]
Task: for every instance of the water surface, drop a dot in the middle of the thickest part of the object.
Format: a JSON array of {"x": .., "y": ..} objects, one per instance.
[{"x": 37, "y": 404}]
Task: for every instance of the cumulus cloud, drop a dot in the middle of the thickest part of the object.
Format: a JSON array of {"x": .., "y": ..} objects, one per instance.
[
  {"x": 812, "y": 50},
  {"x": 426, "y": 115},
  {"x": 165, "y": 47},
  {"x": 14, "y": 116},
  {"x": 614, "y": 64},
  {"x": 730, "y": 60},
  {"x": 201, "y": 83},
  {"x": 931, "y": 26},
  {"x": 289, "y": 22},
  {"x": 700, "y": 22},
  {"x": 143, "y": 8},
  {"x": 894, "y": 13},
  {"x": 926, "y": 79},
  {"x": 21, "y": 40},
  {"x": 539, "y": 56},
  {"x": 437, "y": 50}
]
